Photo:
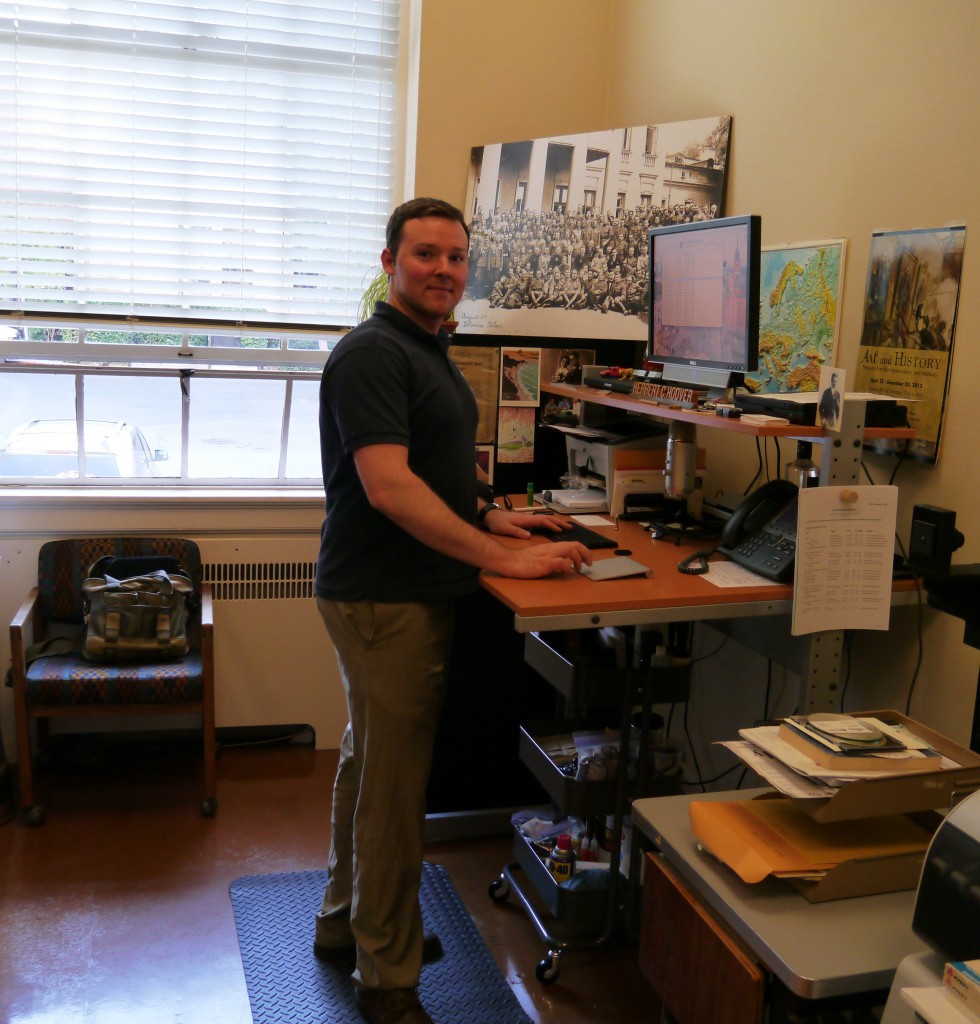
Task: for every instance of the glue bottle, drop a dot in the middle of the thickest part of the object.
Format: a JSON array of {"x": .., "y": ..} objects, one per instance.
[{"x": 561, "y": 861}]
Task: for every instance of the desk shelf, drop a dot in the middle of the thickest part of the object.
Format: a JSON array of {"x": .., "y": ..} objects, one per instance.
[{"x": 626, "y": 403}]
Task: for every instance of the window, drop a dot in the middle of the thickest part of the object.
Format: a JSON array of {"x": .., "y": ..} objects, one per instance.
[
  {"x": 520, "y": 196},
  {"x": 192, "y": 198}
]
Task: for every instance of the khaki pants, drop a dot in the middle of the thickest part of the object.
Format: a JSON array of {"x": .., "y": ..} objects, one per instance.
[{"x": 392, "y": 662}]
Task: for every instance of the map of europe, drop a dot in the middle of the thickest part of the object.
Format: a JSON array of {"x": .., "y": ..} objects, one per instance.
[{"x": 799, "y": 303}]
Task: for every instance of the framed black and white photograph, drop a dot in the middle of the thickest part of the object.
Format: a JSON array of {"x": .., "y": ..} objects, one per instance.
[{"x": 559, "y": 225}]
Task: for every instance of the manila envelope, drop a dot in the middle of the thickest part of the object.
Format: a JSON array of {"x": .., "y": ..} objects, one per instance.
[{"x": 758, "y": 838}]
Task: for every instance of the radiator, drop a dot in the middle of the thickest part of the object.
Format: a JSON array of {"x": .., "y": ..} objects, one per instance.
[{"x": 274, "y": 663}]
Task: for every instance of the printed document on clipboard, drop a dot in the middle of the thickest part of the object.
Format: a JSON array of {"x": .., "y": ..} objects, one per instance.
[{"x": 844, "y": 558}]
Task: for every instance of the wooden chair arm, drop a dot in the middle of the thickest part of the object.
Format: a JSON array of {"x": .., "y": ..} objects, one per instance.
[{"x": 21, "y": 623}]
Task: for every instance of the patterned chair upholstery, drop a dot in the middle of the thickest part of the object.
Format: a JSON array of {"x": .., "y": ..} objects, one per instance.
[{"x": 63, "y": 684}]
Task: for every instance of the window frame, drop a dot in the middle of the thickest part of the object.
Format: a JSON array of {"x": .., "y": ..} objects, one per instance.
[{"x": 80, "y": 357}]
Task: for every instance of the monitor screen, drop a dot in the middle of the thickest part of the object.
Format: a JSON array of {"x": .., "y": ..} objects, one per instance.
[{"x": 704, "y": 300}]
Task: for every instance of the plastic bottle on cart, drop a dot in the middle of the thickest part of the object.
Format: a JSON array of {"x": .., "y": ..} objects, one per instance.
[{"x": 561, "y": 861}]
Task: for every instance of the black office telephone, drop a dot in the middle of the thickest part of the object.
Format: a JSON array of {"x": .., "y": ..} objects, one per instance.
[{"x": 760, "y": 535}]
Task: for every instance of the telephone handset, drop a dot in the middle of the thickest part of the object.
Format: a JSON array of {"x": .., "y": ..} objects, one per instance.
[{"x": 761, "y": 533}]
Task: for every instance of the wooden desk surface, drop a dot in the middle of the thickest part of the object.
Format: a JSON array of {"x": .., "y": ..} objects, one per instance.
[{"x": 666, "y": 595}]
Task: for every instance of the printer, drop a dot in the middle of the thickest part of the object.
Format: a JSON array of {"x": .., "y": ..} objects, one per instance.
[
  {"x": 947, "y": 903},
  {"x": 947, "y": 907},
  {"x": 619, "y": 464}
]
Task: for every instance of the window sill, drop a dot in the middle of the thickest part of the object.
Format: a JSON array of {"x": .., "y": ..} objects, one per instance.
[{"x": 13, "y": 495}]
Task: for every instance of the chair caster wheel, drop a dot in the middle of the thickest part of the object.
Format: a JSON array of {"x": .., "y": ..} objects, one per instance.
[
  {"x": 35, "y": 816},
  {"x": 209, "y": 807}
]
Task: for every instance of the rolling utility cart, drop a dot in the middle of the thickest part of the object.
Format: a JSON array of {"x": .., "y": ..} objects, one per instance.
[{"x": 585, "y": 673}]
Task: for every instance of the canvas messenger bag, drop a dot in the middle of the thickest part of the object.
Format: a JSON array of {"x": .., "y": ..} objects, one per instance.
[{"x": 136, "y": 609}]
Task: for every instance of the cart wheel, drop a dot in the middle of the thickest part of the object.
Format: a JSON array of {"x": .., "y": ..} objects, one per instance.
[
  {"x": 209, "y": 807},
  {"x": 499, "y": 889},
  {"x": 35, "y": 816},
  {"x": 549, "y": 968}
]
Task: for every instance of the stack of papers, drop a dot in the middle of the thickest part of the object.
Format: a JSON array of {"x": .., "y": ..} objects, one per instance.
[
  {"x": 793, "y": 762},
  {"x": 570, "y": 500}
]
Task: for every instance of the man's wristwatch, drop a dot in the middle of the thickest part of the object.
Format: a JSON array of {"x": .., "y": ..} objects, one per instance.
[{"x": 481, "y": 516}]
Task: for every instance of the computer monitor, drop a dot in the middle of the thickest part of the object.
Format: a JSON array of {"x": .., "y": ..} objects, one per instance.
[{"x": 704, "y": 302}]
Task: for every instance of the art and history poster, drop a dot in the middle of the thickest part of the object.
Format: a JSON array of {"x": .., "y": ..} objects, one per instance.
[
  {"x": 906, "y": 347},
  {"x": 558, "y": 244},
  {"x": 799, "y": 315}
]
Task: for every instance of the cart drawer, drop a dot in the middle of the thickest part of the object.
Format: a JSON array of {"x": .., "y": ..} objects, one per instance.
[
  {"x": 585, "y": 799},
  {"x": 578, "y": 910},
  {"x": 582, "y": 672}
]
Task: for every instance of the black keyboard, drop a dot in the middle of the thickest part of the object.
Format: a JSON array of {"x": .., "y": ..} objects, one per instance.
[{"x": 585, "y": 536}]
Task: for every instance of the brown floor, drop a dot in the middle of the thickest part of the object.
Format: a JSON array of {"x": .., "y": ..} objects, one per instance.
[{"x": 116, "y": 910}]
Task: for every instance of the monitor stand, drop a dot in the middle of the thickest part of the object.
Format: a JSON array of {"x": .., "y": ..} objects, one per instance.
[{"x": 676, "y": 523}]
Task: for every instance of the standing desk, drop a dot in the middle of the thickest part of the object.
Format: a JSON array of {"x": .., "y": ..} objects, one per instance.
[
  {"x": 818, "y": 951},
  {"x": 757, "y": 616},
  {"x": 746, "y": 614}
]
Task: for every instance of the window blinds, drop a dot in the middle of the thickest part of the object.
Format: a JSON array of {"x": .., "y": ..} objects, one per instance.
[{"x": 210, "y": 160}]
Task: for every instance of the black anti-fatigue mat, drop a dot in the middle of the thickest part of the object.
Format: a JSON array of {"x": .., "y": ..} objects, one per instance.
[{"x": 288, "y": 985}]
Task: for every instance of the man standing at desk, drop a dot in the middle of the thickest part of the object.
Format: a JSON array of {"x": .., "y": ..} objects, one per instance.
[{"x": 399, "y": 543}]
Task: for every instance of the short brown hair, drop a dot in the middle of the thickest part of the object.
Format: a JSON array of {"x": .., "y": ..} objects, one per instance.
[{"x": 415, "y": 208}]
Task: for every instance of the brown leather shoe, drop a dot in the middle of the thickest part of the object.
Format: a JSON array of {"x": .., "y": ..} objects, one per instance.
[
  {"x": 346, "y": 956},
  {"x": 391, "y": 1006}
]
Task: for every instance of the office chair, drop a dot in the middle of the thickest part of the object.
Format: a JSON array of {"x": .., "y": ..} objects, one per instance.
[{"x": 63, "y": 684}]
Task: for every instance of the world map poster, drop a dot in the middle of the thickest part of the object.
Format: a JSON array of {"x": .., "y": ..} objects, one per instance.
[{"x": 799, "y": 315}]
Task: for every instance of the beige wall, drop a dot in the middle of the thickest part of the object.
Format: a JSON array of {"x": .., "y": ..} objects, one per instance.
[{"x": 849, "y": 116}]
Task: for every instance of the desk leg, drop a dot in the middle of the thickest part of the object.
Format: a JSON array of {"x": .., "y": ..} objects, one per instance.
[{"x": 821, "y": 687}]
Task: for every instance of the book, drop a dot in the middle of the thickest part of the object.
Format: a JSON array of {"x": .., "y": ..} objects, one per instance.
[
  {"x": 962, "y": 979},
  {"x": 886, "y": 758},
  {"x": 843, "y": 733}
]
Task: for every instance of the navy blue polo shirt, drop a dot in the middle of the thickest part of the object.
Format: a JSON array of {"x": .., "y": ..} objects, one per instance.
[{"x": 391, "y": 382}]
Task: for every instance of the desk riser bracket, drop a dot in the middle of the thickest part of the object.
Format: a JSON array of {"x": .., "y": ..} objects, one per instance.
[
  {"x": 815, "y": 658},
  {"x": 840, "y": 460}
]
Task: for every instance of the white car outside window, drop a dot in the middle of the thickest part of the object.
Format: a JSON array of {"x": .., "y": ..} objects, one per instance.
[{"x": 49, "y": 448}]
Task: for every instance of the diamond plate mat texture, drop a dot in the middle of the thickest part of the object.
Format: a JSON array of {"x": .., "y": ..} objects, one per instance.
[{"x": 288, "y": 985}]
